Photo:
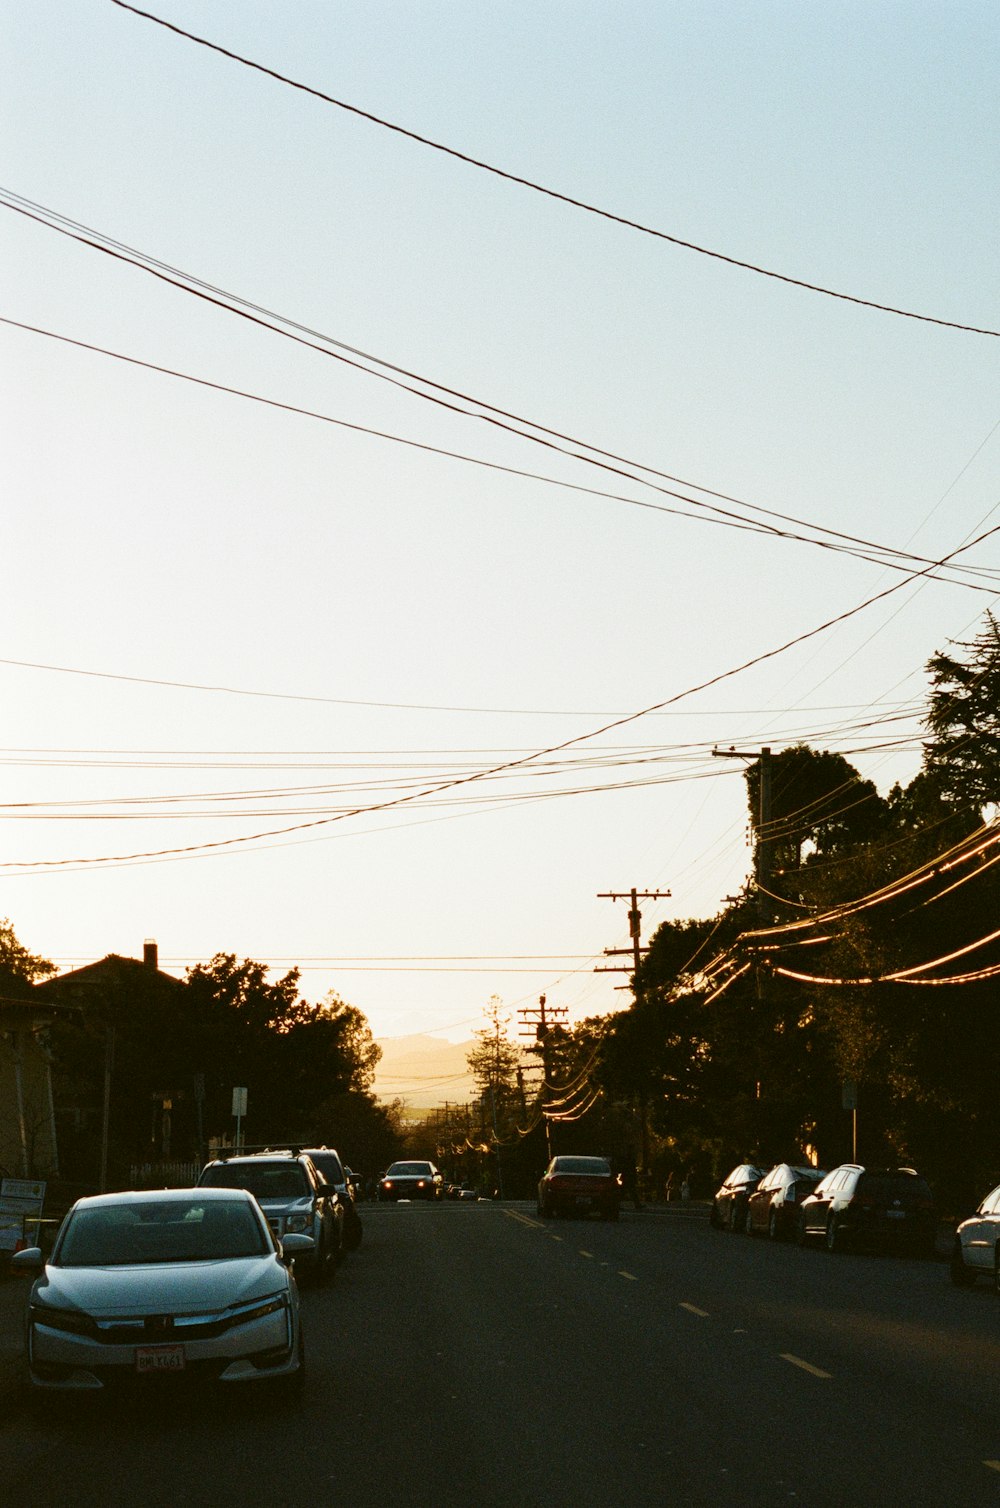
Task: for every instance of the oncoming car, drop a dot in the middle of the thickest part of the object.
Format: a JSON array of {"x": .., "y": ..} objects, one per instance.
[
  {"x": 580, "y": 1186},
  {"x": 176, "y": 1284},
  {"x": 411, "y": 1180}
]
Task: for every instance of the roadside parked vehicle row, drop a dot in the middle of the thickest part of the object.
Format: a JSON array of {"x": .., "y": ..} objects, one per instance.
[{"x": 887, "y": 1209}]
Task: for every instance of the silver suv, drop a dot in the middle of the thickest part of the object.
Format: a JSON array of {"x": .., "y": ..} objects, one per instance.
[
  {"x": 977, "y": 1244},
  {"x": 294, "y": 1197}
]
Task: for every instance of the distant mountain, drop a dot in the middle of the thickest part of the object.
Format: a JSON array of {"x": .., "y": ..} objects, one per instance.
[{"x": 424, "y": 1071}]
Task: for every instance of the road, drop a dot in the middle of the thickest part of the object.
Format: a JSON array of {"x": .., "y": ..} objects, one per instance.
[{"x": 473, "y": 1354}]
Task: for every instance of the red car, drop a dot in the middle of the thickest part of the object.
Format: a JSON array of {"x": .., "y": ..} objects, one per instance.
[{"x": 580, "y": 1186}]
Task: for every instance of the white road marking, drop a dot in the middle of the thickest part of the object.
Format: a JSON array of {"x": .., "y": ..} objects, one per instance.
[
  {"x": 630, "y": 1275},
  {"x": 806, "y": 1366},
  {"x": 993, "y": 1465},
  {"x": 693, "y": 1309}
]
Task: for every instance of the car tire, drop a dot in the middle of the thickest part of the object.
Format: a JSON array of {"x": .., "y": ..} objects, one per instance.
[
  {"x": 735, "y": 1223},
  {"x": 748, "y": 1222},
  {"x": 996, "y": 1268},
  {"x": 957, "y": 1270},
  {"x": 612, "y": 1213},
  {"x": 801, "y": 1230},
  {"x": 773, "y": 1233},
  {"x": 834, "y": 1235},
  {"x": 713, "y": 1217}
]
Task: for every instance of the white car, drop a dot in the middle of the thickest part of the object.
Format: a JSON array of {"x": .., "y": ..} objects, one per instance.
[
  {"x": 977, "y": 1244},
  {"x": 172, "y": 1284}
]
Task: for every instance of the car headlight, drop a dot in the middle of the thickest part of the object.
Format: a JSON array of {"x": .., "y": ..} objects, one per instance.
[
  {"x": 259, "y": 1310},
  {"x": 298, "y": 1223},
  {"x": 70, "y": 1320}
]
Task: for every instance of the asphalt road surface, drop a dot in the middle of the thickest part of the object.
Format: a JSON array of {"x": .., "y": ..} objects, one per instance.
[{"x": 473, "y": 1354}]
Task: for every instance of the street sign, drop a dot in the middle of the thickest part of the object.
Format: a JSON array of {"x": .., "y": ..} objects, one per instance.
[
  {"x": 849, "y": 1095},
  {"x": 239, "y": 1102}
]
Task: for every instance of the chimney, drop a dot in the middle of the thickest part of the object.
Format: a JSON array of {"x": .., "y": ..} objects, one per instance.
[{"x": 150, "y": 957}]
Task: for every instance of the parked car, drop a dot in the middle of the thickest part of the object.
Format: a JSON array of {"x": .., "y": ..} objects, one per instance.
[
  {"x": 328, "y": 1164},
  {"x": 977, "y": 1244},
  {"x": 579, "y": 1186},
  {"x": 773, "y": 1206},
  {"x": 856, "y": 1206},
  {"x": 171, "y": 1284},
  {"x": 729, "y": 1204},
  {"x": 411, "y": 1180},
  {"x": 294, "y": 1197}
]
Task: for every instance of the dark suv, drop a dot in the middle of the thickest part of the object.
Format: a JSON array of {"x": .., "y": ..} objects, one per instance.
[
  {"x": 870, "y": 1207},
  {"x": 330, "y": 1167},
  {"x": 294, "y": 1198}
]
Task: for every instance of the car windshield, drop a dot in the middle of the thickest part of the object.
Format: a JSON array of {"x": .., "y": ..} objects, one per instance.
[
  {"x": 596, "y": 1166},
  {"x": 409, "y": 1170},
  {"x": 266, "y": 1180},
  {"x": 123, "y": 1234}
]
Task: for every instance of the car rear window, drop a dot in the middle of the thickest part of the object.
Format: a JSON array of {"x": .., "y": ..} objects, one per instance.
[
  {"x": 885, "y": 1186},
  {"x": 266, "y": 1180},
  {"x": 596, "y": 1166}
]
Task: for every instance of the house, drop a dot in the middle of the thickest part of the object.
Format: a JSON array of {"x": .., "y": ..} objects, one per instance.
[{"x": 100, "y": 1122}]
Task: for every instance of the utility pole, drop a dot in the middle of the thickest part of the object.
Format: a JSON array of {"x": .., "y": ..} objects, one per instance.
[
  {"x": 634, "y": 896},
  {"x": 537, "y": 1021},
  {"x": 764, "y": 847},
  {"x": 634, "y": 925}
]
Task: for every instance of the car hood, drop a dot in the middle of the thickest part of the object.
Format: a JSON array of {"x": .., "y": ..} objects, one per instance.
[{"x": 196, "y": 1287}]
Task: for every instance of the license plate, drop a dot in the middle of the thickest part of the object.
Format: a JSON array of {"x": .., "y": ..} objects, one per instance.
[
  {"x": 895, "y": 1214},
  {"x": 582, "y": 1199},
  {"x": 159, "y": 1358}
]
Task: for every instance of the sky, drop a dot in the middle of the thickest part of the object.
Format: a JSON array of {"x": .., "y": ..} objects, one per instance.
[{"x": 256, "y": 664}]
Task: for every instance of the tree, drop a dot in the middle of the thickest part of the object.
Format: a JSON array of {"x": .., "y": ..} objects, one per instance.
[
  {"x": 17, "y": 965},
  {"x": 493, "y": 1063},
  {"x": 963, "y": 717}
]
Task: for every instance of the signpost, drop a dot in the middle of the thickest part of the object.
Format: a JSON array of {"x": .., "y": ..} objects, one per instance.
[
  {"x": 21, "y": 1201},
  {"x": 849, "y": 1100},
  {"x": 239, "y": 1111}
]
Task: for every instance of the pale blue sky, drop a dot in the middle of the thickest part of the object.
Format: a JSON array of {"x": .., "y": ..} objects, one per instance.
[{"x": 157, "y": 530}]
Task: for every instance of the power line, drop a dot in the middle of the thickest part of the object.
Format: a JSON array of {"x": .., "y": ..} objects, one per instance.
[
  {"x": 837, "y": 542},
  {"x": 550, "y": 193}
]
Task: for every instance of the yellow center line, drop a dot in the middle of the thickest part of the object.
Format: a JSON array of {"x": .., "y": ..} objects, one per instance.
[
  {"x": 630, "y": 1275},
  {"x": 585, "y": 1253},
  {"x": 693, "y": 1309},
  {"x": 524, "y": 1219},
  {"x": 993, "y": 1465},
  {"x": 806, "y": 1366}
]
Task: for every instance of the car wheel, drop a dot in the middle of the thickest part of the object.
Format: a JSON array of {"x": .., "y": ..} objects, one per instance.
[
  {"x": 735, "y": 1223},
  {"x": 611, "y": 1213},
  {"x": 713, "y": 1218},
  {"x": 996, "y": 1268},
  {"x": 748, "y": 1222},
  {"x": 801, "y": 1230},
  {"x": 957, "y": 1270},
  {"x": 834, "y": 1235},
  {"x": 773, "y": 1233}
]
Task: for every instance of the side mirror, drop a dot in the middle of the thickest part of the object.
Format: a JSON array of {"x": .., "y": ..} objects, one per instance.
[
  {"x": 28, "y": 1261},
  {"x": 295, "y": 1244}
]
